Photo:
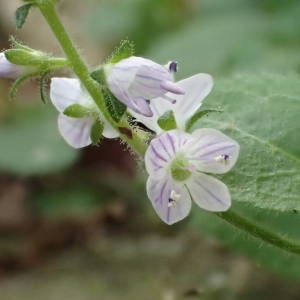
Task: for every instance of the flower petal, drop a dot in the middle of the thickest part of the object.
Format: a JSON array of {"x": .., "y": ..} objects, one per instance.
[
  {"x": 9, "y": 70},
  {"x": 208, "y": 192},
  {"x": 169, "y": 210},
  {"x": 67, "y": 91},
  {"x": 76, "y": 131},
  {"x": 196, "y": 88},
  {"x": 162, "y": 150},
  {"x": 212, "y": 151},
  {"x": 109, "y": 132}
]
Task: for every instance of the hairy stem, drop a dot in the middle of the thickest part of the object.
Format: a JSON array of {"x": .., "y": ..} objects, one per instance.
[
  {"x": 260, "y": 232},
  {"x": 79, "y": 67}
]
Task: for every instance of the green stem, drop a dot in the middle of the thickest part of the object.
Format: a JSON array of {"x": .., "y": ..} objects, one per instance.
[
  {"x": 258, "y": 231},
  {"x": 48, "y": 10}
]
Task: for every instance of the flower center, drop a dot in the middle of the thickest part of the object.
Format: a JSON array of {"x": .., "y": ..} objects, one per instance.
[{"x": 180, "y": 168}]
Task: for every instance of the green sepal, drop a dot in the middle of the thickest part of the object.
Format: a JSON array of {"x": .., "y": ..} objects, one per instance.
[
  {"x": 99, "y": 76},
  {"x": 21, "y": 14},
  {"x": 167, "y": 121},
  {"x": 115, "y": 108},
  {"x": 18, "y": 82},
  {"x": 24, "y": 57},
  {"x": 124, "y": 50},
  {"x": 77, "y": 111},
  {"x": 43, "y": 87},
  {"x": 198, "y": 115},
  {"x": 96, "y": 132}
]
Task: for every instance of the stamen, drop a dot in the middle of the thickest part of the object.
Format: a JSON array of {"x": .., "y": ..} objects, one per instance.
[
  {"x": 172, "y": 87},
  {"x": 173, "y": 66},
  {"x": 174, "y": 198},
  {"x": 222, "y": 158},
  {"x": 173, "y": 101}
]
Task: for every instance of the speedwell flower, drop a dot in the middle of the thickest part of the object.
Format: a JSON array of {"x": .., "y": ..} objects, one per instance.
[
  {"x": 196, "y": 88},
  {"x": 177, "y": 162},
  {"x": 9, "y": 70},
  {"x": 65, "y": 92},
  {"x": 135, "y": 80}
]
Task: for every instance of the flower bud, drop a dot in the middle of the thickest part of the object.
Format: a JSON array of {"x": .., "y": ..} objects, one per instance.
[
  {"x": 9, "y": 70},
  {"x": 135, "y": 80}
]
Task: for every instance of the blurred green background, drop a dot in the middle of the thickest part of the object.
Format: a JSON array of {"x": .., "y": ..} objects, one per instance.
[{"x": 77, "y": 224}]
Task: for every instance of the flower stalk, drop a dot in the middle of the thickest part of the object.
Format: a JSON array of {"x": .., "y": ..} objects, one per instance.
[{"x": 81, "y": 70}]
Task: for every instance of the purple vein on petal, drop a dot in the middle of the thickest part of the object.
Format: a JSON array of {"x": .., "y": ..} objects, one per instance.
[
  {"x": 210, "y": 193},
  {"x": 157, "y": 154}
]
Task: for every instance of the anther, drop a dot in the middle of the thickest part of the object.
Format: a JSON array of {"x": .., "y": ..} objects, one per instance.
[
  {"x": 222, "y": 158},
  {"x": 173, "y": 66}
]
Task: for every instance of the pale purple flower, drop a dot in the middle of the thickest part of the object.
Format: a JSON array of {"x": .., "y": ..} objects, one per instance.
[
  {"x": 135, "y": 80},
  {"x": 196, "y": 88},
  {"x": 65, "y": 92},
  {"x": 177, "y": 163},
  {"x": 9, "y": 70}
]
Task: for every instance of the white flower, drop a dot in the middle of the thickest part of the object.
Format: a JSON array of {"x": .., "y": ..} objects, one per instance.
[
  {"x": 196, "y": 88},
  {"x": 9, "y": 70},
  {"x": 135, "y": 80},
  {"x": 65, "y": 92},
  {"x": 177, "y": 162}
]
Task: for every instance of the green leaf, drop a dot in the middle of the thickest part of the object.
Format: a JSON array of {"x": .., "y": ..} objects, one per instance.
[
  {"x": 124, "y": 50},
  {"x": 76, "y": 111},
  {"x": 32, "y": 145},
  {"x": 198, "y": 115},
  {"x": 21, "y": 14},
  {"x": 261, "y": 112},
  {"x": 96, "y": 132},
  {"x": 167, "y": 121},
  {"x": 269, "y": 256}
]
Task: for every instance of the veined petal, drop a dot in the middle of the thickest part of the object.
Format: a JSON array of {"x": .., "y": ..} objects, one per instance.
[
  {"x": 76, "y": 131},
  {"x": 212, "y": 151},
  {"x": 196, "y": 88},
  {"x": 162, "y": 150},
  {"x": 67, "y": 91},
  {"x": 208, "y": 192},
  {"x": 171, "y": 202}
]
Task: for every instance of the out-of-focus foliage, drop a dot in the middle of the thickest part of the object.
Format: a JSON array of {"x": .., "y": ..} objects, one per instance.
[
  {"x": 30, "y": 143},
  {"x": 142, "y": 21},
  {"x": 234, "y": 37}
]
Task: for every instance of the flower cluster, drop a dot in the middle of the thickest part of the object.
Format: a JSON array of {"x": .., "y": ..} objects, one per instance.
[{"x": 178, "y": 162}]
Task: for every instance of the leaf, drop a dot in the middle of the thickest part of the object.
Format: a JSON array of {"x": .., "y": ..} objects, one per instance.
[
  {"x": 167, "y": 121},
  {"x": 31, "y": 144},
  {"x": 76, "y": 111},
  {"x": 96, "y": 132},
  {"x": 269, "y": 256},
  {"x": 21, "y": 14},
  {"x": 261, "y": 112}
]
